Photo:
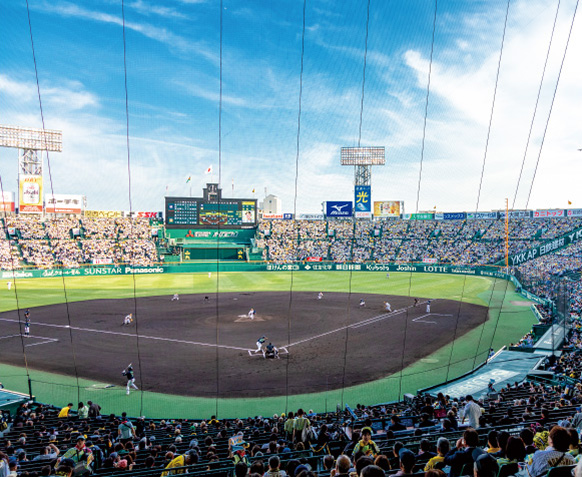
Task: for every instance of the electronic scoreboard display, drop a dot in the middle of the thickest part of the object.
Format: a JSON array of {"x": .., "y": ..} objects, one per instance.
[{"x": 191, "y": 212}]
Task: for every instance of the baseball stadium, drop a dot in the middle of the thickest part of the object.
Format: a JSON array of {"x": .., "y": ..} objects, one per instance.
[{"x": 220, "y": 252}]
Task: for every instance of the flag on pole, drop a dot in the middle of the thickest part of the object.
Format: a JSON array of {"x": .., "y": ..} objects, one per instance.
[
  {"x": 209, "y": 170},
  {"x": 569, "y": 203},
  {"x": 189, "y": 179}
]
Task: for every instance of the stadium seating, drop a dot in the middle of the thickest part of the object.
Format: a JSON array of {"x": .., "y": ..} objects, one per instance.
[{"x": 157, "y": 441}]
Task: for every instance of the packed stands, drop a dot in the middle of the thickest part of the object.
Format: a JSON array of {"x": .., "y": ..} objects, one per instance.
[
  {"x": 513, "y": 428},
  {"x": 71, "y": 242},
  {"x": 458, "y": 242}
]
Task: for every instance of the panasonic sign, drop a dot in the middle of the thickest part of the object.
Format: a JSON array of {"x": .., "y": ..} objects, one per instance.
[{"x": 338, "y": 209}]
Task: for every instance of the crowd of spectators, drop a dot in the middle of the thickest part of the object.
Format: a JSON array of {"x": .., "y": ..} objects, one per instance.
[
  {"x": 458, "y": 242},
  {"x": 70, "y": 242},
  {"x": 524, "y": 428}
]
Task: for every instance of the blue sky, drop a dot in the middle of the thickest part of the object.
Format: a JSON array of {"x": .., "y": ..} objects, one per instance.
[{"x": 173, "y": 88}]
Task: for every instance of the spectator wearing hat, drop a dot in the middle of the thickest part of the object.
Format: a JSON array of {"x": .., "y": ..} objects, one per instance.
[
  {"x": 366, "y": 445},
  {"x": 407, "y": 461},
  {"x": 485, "y": 466},
  {"x": 80, "y": 455},
  {"x": 65, "y": 468}
]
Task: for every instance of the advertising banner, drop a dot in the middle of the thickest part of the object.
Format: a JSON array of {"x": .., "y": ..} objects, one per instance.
[
  {"x": 388, "y": 208},
  {"x": 102, "y": 261},
  {"x": 103, "y": 214},
  {"x": 64, "y": 204},
  {"x": 454, "y": 216},
  {"x": 338, "y": 209},
  {"x": 574, "y": 212},
  {"x": 482, "y": 215},
  {"x": 7, "y": 202},
  {"x": 363, "y": 201},
  {"x": 146, "y": 215},
  {"x": 516, "y": 214},
  {"x": 419, "y": 216},
  {"x": 310, "y": 216},
  {"x": 273, "y": 216},
  {"x": 547, "y": 247},
  {"x": 30, "y": 194},
  {"x": 548, "y": 213}
]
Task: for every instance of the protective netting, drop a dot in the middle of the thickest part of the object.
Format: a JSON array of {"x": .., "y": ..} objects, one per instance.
[{"x": 95, "y": 301}]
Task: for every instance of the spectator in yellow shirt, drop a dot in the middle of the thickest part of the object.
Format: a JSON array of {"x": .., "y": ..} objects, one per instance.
[
  {"x": 443, "y": 447},
  {"x": 65, "y": 411},
  {"x": 189, "y": 458}
]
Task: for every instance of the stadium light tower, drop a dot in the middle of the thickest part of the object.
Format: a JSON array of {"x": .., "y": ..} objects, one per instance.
[
  {"x": 363, "y": 158},
  {"x": 30, "y": 141}
]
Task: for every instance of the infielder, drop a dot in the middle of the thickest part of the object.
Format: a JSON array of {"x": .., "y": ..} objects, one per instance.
[
  {"x": 387, "y": 306},
  {"x": 128, "y": 319},
  {"x": 128, "y": 373},
  {"x": 362, "y": 302},
  {"x": 27, "y": 323},
  {"x": 428, "y": 306},
  {"x": 320, "y": 296},
  {"x": 176, "y": 297}
]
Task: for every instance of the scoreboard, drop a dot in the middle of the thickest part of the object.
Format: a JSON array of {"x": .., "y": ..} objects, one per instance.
[{"x": 192, "y": 212}]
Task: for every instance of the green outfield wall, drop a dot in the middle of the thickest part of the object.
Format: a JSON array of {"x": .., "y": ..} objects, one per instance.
[{"x": 238, "y": 266}]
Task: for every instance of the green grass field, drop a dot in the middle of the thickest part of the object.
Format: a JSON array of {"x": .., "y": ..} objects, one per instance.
[{"x": 508, "y": 320}]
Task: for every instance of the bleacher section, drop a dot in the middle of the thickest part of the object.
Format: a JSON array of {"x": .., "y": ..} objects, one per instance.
[{"x": 522, "y": 411}]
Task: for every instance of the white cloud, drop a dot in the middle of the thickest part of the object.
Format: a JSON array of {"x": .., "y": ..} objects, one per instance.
[
  {"x": 152, "y": 32},
  {"x": 464, "y": 96},
  {"x": 150, "y": 9}
]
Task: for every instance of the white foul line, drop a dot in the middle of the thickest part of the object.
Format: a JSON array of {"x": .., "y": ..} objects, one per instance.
[
  {"x": 367, "y": 321},
  {"x": 9, "y": 336},
  {"x": 118, "y": 333},
  {"x": 45, "y": 340},
  {"x": 419, "y": 319}
]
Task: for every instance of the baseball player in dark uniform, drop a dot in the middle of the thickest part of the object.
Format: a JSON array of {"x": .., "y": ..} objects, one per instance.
[{"x": 128, "y": 373}]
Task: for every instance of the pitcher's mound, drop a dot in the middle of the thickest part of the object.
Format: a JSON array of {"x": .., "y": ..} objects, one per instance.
[{"x": 245, "y": 319}]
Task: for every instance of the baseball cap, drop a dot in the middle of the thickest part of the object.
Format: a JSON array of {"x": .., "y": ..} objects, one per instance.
[
  {"x": 301, "y": 468},
  {"x": 68, "y": 462}
]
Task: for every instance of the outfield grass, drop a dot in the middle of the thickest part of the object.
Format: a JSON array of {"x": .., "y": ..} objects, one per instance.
[{"x": 507, "y": 322}]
